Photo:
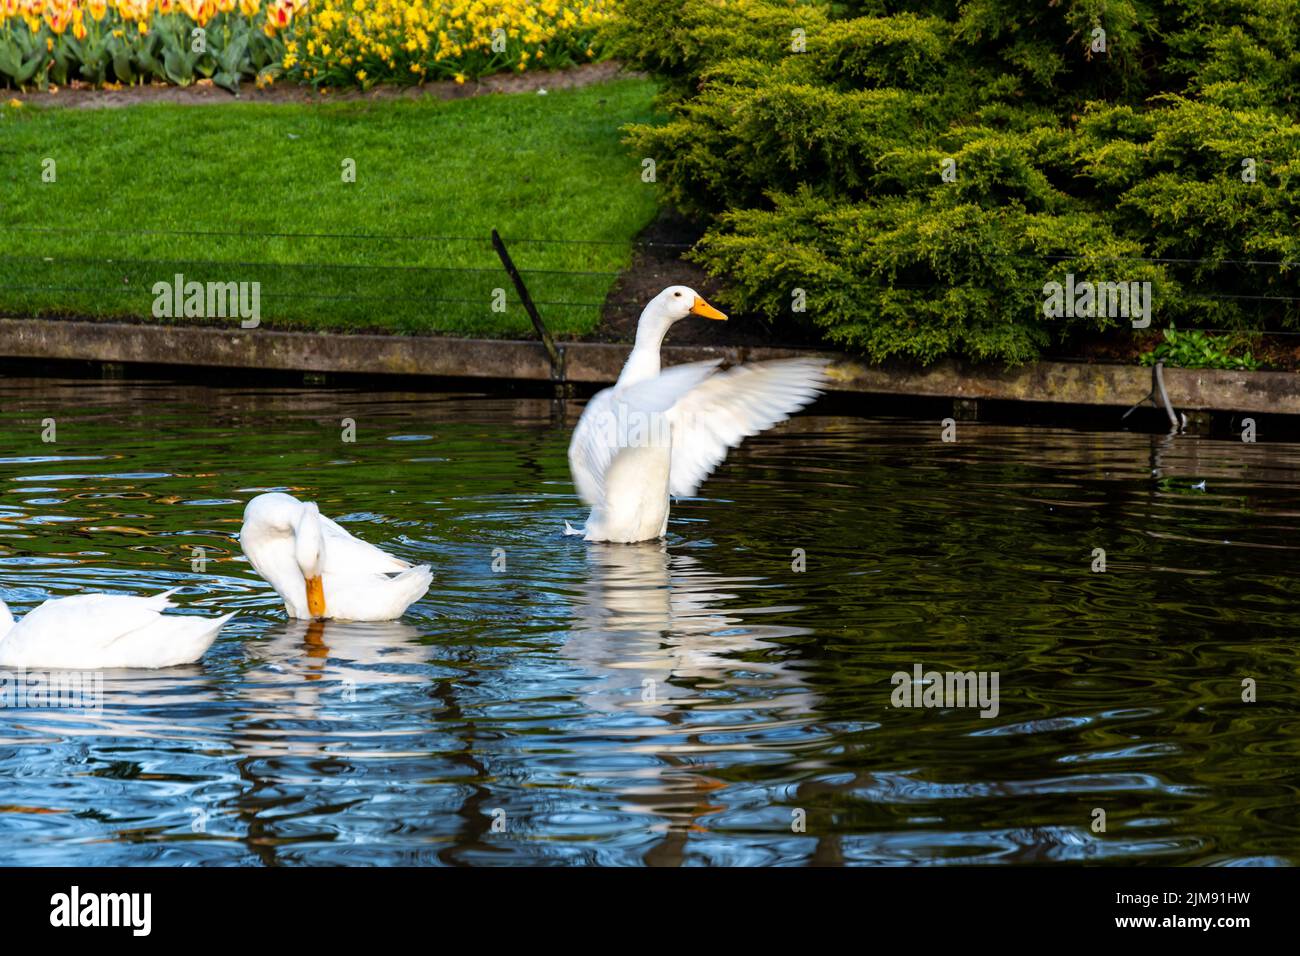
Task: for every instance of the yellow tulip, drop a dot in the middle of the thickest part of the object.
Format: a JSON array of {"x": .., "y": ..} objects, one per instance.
[
  {"x": 392, "y": 38},
  {"x": 57, "y": 18},
  {"x": 200, "y": 11}
]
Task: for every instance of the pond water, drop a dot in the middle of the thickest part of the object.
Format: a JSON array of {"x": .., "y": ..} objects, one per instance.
[{"x": 699, "y": 702}]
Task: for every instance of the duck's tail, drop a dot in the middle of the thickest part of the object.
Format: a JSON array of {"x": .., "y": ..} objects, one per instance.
[
  {"x": 174, "y": 640},
  {"x": 411, "y": 584},
  {"x": 163, "y": 600},
  {"x": 571, "y": 530}
]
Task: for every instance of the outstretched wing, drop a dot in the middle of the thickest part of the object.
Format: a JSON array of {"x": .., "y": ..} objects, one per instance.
[
  {"x": 345, "y": 554},
  {"x": 602, "y": 430},
  {"x": 590, "y": 453},
  {"x": 722, "y": 411}
]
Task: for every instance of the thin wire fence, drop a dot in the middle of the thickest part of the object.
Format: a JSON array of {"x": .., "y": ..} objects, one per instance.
[
  {"x": 386, "y": 237},
  {"x": 450, "y": 283},
  {"x": 327, "y": 280}
]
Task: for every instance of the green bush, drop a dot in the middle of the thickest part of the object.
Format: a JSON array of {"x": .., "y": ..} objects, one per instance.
[{"x": 819, "y": 172}]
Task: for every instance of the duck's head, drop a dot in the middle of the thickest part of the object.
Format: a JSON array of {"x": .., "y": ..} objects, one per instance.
[
  {"x": 677, "y": 302},
  {"x": 283, "y": 539}
]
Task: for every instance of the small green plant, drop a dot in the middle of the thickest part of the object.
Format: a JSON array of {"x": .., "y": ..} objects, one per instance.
[{"x": 1196, "y": 349}]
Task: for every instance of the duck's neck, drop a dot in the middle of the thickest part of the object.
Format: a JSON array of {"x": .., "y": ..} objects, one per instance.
[
  {"x": 272, "y": 556},
  {"x": 643, "y": 364}
]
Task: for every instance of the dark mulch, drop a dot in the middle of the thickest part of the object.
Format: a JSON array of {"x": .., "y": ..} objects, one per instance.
[
  {"x": 1275, "y": 352},
  {"x": 83, "y": 96},
  {"x": 658, "y": 261}
]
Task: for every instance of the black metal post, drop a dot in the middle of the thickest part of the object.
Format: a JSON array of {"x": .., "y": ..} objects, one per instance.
[{"x": 555, "y": 353}]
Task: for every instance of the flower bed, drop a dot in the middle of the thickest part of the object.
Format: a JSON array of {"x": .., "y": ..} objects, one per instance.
[
  {"x": 368, "y": 41},
  {"x": 325, "y": 43}
]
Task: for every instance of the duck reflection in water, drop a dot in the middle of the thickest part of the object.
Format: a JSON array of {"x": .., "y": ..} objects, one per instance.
[
  {"x": 648, "y": 631},
  {"x": 646, "y": 615},
  {"x": 306, "y": 669}
]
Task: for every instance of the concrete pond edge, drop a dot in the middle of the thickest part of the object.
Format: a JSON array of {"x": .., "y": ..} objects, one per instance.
[{"x": 1073, "y": 383}]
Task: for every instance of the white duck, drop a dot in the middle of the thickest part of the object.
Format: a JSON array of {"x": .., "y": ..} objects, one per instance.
[
  {"x": 657, "y": 433},
  {"x": 320, "y": 570},
  {"x": 105, "y": 631}
]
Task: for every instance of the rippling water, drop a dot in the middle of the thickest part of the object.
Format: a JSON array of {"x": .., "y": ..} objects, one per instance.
[{"x": 699, "y": 702}]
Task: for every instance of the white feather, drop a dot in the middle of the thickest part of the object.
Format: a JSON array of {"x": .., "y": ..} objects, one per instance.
[
  {"x": 360, "y": 582},
  {"x": 693, "y": 415},
  {"x": 719, "y": 413},
  {"x": 602, "y": 430},
  {"x": 103, "y": 631}
]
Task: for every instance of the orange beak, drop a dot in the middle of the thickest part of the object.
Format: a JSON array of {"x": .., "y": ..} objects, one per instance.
[
  {"x": 315, "y": 597},
  {"x": 709, "y": 312}
]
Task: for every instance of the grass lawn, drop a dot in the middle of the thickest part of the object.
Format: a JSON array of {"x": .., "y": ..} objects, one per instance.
[{"x": 135, "y": 186}]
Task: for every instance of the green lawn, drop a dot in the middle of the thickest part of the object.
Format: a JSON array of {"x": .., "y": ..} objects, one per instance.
[{"x": 136, "y": 185}]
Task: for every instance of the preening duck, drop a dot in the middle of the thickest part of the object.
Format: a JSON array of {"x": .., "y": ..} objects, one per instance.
[
  {"x": 320, "y": 570},
  {"x": 105, "y": 631},
  {"x": 660, "y": 432}
]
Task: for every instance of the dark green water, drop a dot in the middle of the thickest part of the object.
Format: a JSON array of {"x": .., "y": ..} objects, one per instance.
[{"x": 519, "y": 696}]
